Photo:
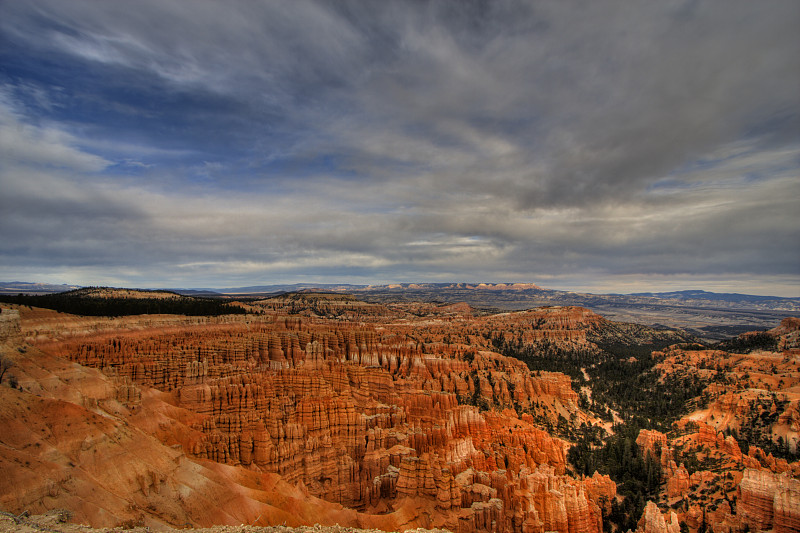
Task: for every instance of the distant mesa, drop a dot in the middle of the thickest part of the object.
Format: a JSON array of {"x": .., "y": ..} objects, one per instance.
[
  {"x": 17, "y": 287},
  {"x": 112, "y": 292}
]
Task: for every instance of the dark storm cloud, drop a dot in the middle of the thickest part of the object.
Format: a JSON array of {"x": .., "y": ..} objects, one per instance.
[{"x": 401, "y": 140}]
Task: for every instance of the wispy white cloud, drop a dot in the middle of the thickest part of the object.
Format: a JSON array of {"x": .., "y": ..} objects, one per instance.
[{"x": 24, "y": 143}]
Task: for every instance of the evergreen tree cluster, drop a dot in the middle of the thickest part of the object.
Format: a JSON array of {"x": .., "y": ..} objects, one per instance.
[
  {"x": 79, "y": 304},
  {"x": 638, "y": 476},
  {"x": 750, "y": 342},
  {"x": 548, "y": 356},
  {"x": 639, "y": 393},
  {"x": 757, "y": 430},
  {"x": 623, "y": 381}
]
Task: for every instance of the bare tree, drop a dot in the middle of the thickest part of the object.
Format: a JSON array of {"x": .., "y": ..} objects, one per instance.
[{"x": 5, "y": 364}]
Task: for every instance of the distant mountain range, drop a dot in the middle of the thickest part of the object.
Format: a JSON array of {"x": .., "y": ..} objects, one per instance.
[
  {"x": 24, "y": 287},
  {"x": 706, "y": 314},
  {"x": 733, "y": 297}
]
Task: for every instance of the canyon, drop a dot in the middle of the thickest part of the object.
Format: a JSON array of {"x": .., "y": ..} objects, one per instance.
[{"x": 323, "y": 408}]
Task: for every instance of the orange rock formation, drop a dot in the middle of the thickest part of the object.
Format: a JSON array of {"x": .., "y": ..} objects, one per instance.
[
  {"x": 728, "y": 490},
  {"x": 372, "y": 418}
]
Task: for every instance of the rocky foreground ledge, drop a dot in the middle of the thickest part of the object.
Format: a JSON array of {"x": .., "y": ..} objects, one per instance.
[{"x": 57, "y": 521}]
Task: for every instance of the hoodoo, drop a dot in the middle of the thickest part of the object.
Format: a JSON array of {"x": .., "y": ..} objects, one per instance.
[{"x": 409, "y": 416}]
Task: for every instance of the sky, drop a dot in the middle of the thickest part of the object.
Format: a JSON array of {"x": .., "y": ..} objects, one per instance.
[{"x": 604, "y": 146}]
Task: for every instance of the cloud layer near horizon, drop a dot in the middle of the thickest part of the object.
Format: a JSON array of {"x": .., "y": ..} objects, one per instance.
[{"x": 597, "y": 146}]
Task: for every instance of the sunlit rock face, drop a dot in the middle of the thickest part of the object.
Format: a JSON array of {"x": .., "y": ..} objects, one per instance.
[
  {"x": 653, "y": 521},
  {"x": 769, "y": 501}
]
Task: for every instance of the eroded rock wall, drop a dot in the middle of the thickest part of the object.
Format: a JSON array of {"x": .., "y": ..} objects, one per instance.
[{"x": 362, "y": 416}]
